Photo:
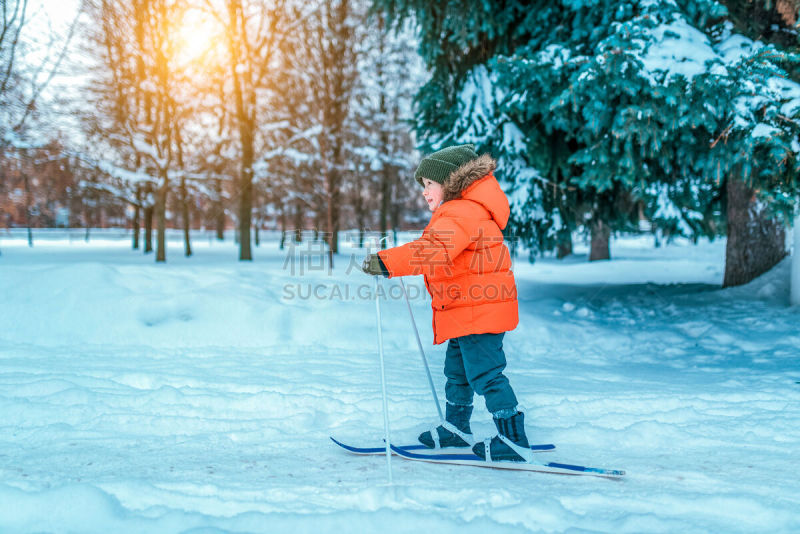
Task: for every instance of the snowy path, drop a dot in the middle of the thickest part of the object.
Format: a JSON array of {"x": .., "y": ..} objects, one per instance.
[{"x": 200, "y": 394}]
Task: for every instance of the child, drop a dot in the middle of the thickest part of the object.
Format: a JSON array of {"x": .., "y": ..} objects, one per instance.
[{"x": 467, "y": 272}]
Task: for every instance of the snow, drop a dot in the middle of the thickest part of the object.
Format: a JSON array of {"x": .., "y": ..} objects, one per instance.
[
  {"x": 115, "y": 171},
  {"x": 667, "y": 210},
  {"x": 555, "y": 54},
  {"x": 795, "y": 295},
  {"x": 199, "y": 395},
  {"x": 764, "y": 130},
  {"x": 479, "y": 96},
  {"x": 786, "y": 90},
  {"x": 678, "y": 48},
  {"x": 736, "y": 47},
  {"x": 13, "y": 139}
]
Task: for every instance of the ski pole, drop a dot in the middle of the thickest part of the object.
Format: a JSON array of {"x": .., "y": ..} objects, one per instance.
[
  {"x": 383, "y": 384},
  {"x": 422, "y": 353}
]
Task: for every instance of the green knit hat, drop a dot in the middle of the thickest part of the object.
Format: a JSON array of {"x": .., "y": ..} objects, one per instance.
[{"x": 440, "y": 164}]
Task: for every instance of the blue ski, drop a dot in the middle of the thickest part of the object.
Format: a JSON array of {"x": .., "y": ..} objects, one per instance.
[
  {"x": 476, "y": 461},
  {"x": 419, "y": 448}
]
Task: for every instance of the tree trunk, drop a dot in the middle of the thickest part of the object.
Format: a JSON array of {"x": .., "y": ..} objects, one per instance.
[
  {"x": 601, "y": 234},
  {"x": 148, "y": 221},
  {"x": 333, "y": 212},
  {"x": 161, "y": 214},
  {"x": 657, "y": 238},
  {"x": 360, "y": 210},
  {"x": 564, "y": 246},
  {"x": 335, "y": 98},
  {"x": 298, "y": 223},
  {"x": 186, "y": 219},
  {"x": 332, "y": 216},
  {"x": 317, "y": 224},
  {"x": 395, "y": 223},
  {"x": 87, "y": 217},
  {"x": 385, "y": 170},
  {"x": 385, "y": 197},
  {"x": 28, "y": 210},
  {"x": 219, "y": 212},
  {"x": 756, "y": 242},
  {"x": 246, "y": 199},
  {"x": 245, "y": 121},
  {"x": 795, "y": 298},
  {"x": 137, "y": 211},
  {"x": 87, "y": 222},
  {"x": 330, "y": 234},
  {"x": 283, "y": 227}
]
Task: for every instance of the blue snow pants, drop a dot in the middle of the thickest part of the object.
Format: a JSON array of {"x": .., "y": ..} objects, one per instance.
[{"x": 474, "y": 364}]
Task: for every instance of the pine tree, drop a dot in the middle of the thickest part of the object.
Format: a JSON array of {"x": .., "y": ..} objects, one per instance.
[
  {"x": 745, "y": 142},
  {"x": 559, "y": 96},
  {"x": 602, "y": 112},
  {"x": 773, "y": 22}
]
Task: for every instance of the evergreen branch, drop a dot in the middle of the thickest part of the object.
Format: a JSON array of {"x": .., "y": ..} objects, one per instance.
[
  {"x": 724, "y": 134},
  {"x": 787, "y": 119}
]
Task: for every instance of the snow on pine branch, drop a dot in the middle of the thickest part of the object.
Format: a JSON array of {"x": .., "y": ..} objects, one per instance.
[{"x": 677, "y": 48}]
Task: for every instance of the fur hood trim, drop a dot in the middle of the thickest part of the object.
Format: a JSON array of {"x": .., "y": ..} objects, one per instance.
[{"x": 466, "y": 175}]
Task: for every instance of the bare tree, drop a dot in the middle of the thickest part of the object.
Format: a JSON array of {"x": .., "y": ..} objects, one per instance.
[
  {"x": 21, "y": 81},
  {"x": 138, "y": 89},
  {"x": 254, "y": 32},
  {"x": 320, "y": 69}
]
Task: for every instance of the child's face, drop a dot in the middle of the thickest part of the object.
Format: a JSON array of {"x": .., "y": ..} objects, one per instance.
[{"x": 433, "y": 193}]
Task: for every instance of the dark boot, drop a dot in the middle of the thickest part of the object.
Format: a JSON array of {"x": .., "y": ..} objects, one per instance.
[
  {"x": 513, "y": 428},
  {"x": 457, "y": 417}
]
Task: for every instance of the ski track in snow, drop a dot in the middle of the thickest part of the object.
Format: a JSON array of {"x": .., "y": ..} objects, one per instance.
[{"x": 200, "y": 394}]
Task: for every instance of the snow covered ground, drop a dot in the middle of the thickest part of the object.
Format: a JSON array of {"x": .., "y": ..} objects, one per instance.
[{"x": 198, "y": 396}]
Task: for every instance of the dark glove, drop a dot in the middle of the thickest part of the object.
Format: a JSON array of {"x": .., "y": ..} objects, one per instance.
[{"x": 373, "y": 264}]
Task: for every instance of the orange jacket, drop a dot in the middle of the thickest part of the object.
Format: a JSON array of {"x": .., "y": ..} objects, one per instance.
[{"x": 461, "y": 253}]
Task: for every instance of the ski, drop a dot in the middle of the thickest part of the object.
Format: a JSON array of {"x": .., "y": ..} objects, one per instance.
[
  {"x": 419, "y": 448},
  {"x": 476, "y": 461}
]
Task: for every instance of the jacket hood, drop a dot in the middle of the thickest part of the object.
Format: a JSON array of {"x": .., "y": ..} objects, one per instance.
[{"x": 467, "y": 182}]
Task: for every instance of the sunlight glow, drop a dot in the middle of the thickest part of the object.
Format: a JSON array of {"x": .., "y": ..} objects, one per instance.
[{"x": 199, "y": 40}]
